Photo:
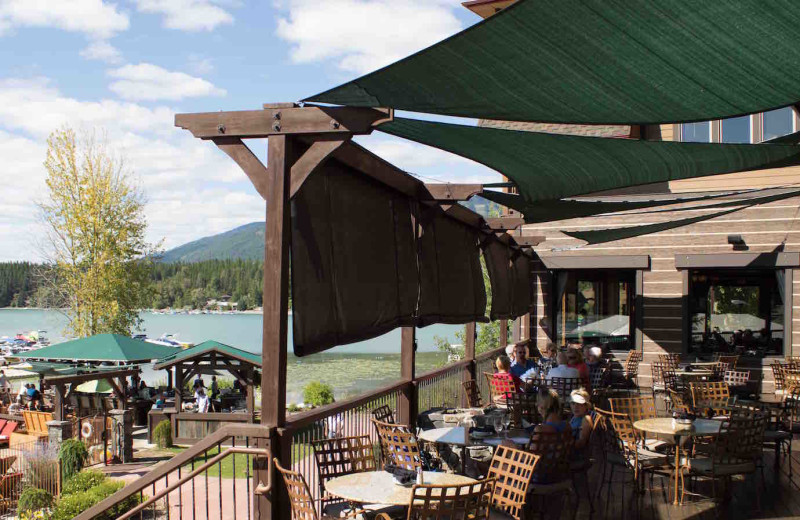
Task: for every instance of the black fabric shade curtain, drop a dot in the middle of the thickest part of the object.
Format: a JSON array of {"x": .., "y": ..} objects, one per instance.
[
  {"x": 522, "y": 287},
  {"x": 497, "y": 257},
  {"x": 353, "y": 260},
  {"x": 600, "y": 62},
  {"x": 451, "y": 279},
  {"x": 550, "y": 166}
]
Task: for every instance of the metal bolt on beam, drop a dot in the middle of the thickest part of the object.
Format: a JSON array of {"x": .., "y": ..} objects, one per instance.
[{"x": 221, "y": 129}]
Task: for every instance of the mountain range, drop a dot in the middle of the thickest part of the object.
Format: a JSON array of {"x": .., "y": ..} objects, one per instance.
[{"x": 244, "y": 242}]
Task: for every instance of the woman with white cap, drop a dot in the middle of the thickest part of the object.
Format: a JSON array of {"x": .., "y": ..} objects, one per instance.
[{"x": 581, "y": 423}]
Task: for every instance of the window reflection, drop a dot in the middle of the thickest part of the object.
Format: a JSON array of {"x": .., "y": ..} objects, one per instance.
[
  {"x": 696, "y": 132},
  {"x": 738, "y": 312},
  {"x": 736, "y": 130},
  {"x": 594, "y": 308},
  {"x": 778, "y": 123}
]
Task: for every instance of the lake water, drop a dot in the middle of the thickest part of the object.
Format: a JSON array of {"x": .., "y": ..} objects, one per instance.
[{"x": 350, "y": 369}]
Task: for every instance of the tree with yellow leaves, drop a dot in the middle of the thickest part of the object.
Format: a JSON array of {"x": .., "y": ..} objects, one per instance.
[{"x": 97, "y": 253}]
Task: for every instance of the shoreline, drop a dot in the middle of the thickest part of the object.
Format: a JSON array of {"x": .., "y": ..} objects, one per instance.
[{"x": 258, "y": 310}]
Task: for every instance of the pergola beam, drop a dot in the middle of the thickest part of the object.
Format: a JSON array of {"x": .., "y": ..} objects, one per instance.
[
  {"x": 505, "y": 223},
  {"x": 284, "y": 121},
  {"x": 453, "y": 192}
]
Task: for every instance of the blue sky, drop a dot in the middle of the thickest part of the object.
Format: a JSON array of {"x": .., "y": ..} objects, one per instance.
[{"x": 123, "y": 68}]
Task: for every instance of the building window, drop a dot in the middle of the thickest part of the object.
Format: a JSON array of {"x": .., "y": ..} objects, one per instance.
[
  {"x": 696, "y": 132},
  {"x": 736, "y": 311},
  {"x": 736, "y": 130},
  {"x": 778, "y": 122},
  {"x": 595, "y": 307}
]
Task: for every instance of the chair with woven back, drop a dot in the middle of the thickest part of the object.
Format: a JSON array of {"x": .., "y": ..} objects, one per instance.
[
  {"x": 599, "y": 381},
  {"x": 473, "y": 393},
  {"x": 660, "y": 371},
  {"x": 552, "y": 474},
  {"x": 522, "y": 407},
  {"x": 738, "y": 381},
  {"x": 731, "y": 360},
  {"x": 718, "y": 370},
  {"x": 636, "y": 409},
  {"x": 736, "y": 451},
  {"x": 564, "y": 387},
  {"x": 383, "y": 413},
  {"x": 671, "y": 359},
  {"x": 512, "y": 470},
  {"x": 343, "y": 456},
  {"x": 499, "y": 387},
  {"x": 300, "y": 499},
  {"x": 399, "y": 445},
  {"x": 451, "y": 502},
  {"x": 713, "y": 396},
  {"x": 632, "y": 367},
  {"x": 677, "y": 401},
  {"x": 778, "y": 374}
]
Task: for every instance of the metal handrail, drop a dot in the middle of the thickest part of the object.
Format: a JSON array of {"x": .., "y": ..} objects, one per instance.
[{"x": 261, "y": 489}]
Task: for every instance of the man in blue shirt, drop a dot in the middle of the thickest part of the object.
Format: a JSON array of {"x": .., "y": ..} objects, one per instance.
[{"x": 521, "y": 362}]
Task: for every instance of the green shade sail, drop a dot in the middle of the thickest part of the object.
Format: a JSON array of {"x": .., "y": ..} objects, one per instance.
[
  {"x": 551, "y": 166},
  {"x": 599, "y": 236},
  {"x": 563, "y": 209},
  {"x": 101, "y": 347},
  {"x": 202, "y": 349},
  {"x": 600, "y": 62}
]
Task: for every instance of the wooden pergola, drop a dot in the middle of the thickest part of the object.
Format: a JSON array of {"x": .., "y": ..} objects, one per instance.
[
  {"x": 300, "y": 140},
  {"x": 115, "y": 378},
  {"x": 200, "y": 360}
]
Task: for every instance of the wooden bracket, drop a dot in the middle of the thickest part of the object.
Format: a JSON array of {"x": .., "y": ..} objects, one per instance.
[
  {"x": 529, "y": 241},
  {"x": 311, "y": 160},
  {"x": 247, "y": 161},
  {"x": 505, "y": 223}
]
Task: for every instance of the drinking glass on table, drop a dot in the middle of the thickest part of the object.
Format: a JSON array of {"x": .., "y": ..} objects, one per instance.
[
  {"x": 498, "y": 424},
  {"x": 506, "y": 422}
]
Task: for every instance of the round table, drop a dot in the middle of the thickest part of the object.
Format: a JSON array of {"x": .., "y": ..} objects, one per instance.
[
  {"x": 378, "y": 487},
  {"x": 455, "y": 436},
  {"x": 679, "y": 433}
]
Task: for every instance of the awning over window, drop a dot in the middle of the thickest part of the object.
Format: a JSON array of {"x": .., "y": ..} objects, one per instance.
[
  {"x": 600, "y": 62},
  {"x": 549, "y": 166},
  {"x": 599, "y": 236}
]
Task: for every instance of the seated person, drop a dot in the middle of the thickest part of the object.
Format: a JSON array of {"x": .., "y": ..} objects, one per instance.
[
  {"x": 521, "y": 362},
  {"x": 201, "y": 400},
  {"x": 581, "y": 423},
  {"x": 548, "y": 358},
  {"x": 575, "y": 360},
  {"x": 503, "y": 379},
  {"x": 562, "y": 370},
  {"x": 160, "y": 403},
  {"x": 549, "y": 405},
  {"x": 595, "y": 361}
]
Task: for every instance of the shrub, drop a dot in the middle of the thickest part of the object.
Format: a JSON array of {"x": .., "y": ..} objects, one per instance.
[
  {"x": 316, "y": 393},
  {"x": 41, "y": 466},
  {"x": 73, "y": 455},
  {"x": 162, "y": 434},
  {"x": 34, "y": 499},
  {"x": 293, "y": 408},
  {"x": 83, "y": 481},
  {"x": 69, "y": 506}
]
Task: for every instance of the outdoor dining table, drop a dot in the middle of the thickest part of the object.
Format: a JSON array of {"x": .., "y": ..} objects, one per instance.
[
  {"x": 455, "y": 437},
  {"x": 680, "y": 433},
  {"x": 378, "y": 487}
]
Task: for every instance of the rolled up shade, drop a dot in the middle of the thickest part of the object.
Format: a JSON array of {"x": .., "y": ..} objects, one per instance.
[
  {"x": 353, "y": 260},
  {"x": 600, "y": 62},
  {"x": 451, "y": 280}
]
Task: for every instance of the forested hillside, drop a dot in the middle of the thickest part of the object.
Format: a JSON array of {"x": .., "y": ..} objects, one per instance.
[{"x": 17, "y": 283}]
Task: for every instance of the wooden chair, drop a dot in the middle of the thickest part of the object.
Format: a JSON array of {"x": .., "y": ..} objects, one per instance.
[
  {"x": 338, "y": 457},
  {"x": 460, "y": 501},
  {"x": 736, "y": 451},
  {"x": 303, "y": 507},
  {"x": 36, "y": 422},
  {"x": 398, "y": 445},
  {"x": 473, "y": 393},
  {"x": 383, "y": 414},
  {"x": 512, "y": 470},
  {"x": 522, "y": 406},
  {"x": 714, "y": 396}
]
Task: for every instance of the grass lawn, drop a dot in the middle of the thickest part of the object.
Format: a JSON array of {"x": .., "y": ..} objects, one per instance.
[{"x": 226, "y": 466}]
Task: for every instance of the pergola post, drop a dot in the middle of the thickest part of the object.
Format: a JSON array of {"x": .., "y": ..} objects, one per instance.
[
  {"x": 503, "y": 333},
  {"x": 470, "y": 335},
  {"x": 178, "y": 389},
  {"x": 169, "y": 378},
  {"x": 58, "y": 405},
  {"x": 275, "y": 318},
  {"x": 250, "y": 390},
  {"x": 407, "y": 407}
]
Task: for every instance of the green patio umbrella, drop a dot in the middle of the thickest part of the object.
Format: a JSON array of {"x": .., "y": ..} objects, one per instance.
[{"x": 98, "y": 386}]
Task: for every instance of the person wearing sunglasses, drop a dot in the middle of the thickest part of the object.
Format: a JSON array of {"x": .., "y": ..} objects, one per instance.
[{"x": 575, "y": 360}]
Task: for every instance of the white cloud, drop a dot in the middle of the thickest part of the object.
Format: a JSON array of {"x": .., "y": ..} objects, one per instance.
[
  {"x": 101, "y": 50},
  {"x": 151, "y": 82},
  {"x": 188, "y": 15},
  {"x": 192, "y": 188},
  {"x": 96, "y": 18},
  {"x": 363, "y": 35}
]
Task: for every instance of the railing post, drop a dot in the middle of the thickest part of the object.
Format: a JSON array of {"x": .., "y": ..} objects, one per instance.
[
  {"x": 275, "y": 319},
  {"x": 408, "y": 405},
  {"x": 470, "y": 335}
]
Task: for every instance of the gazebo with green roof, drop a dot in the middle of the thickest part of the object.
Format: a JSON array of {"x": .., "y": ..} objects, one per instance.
[
  {"x": 207, "y": 358},
  {"x": 100, "y": 348}
]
